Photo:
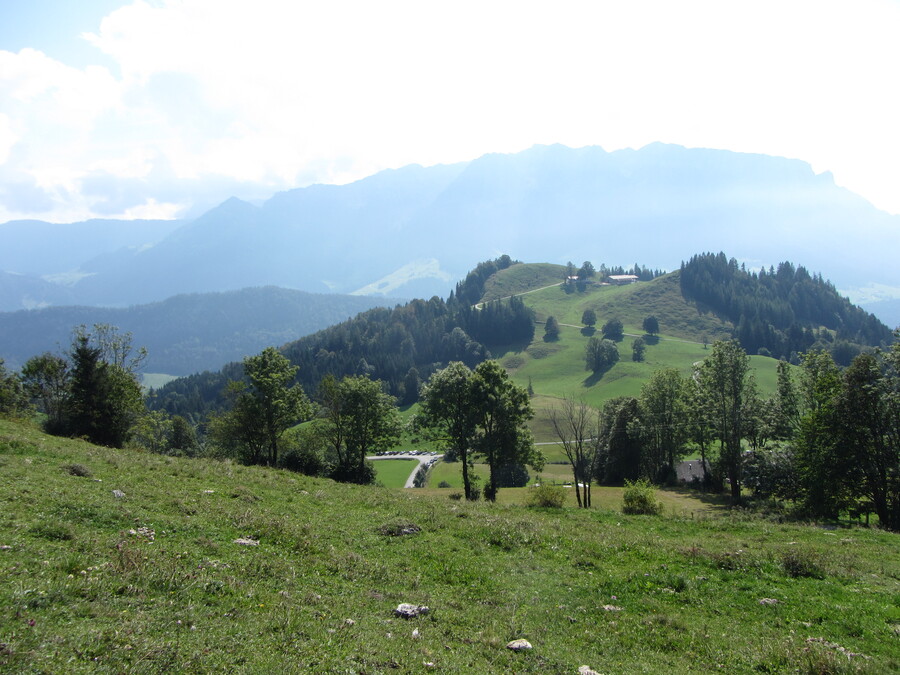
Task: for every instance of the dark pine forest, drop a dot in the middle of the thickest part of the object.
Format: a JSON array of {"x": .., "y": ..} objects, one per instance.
[{"x": 781, "y": 312}]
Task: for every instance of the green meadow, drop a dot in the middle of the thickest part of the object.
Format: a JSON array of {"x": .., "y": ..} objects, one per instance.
[
  {"x": 557, "y": 368},
  {"x": 393, "y": 473},
  {"x": 117, "y": 561}
]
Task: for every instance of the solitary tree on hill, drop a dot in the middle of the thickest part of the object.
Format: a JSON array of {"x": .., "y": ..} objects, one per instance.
[
  {"x": 613, "y": 330},
  {"x": 589, "y": 318},
  {"x": 551, "y": 329},
  {"x": 638, "y": 347},
  {"x": 600, "y": 354},
  {"x": 651, "y": 325}
]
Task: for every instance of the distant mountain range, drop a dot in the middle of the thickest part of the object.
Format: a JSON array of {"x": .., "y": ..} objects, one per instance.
[
  {"x": 413, "y": 232},
  {"x": 187, "y": 333}
]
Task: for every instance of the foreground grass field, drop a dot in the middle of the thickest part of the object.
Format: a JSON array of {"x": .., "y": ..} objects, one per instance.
[{"x": 196, "y": 566}]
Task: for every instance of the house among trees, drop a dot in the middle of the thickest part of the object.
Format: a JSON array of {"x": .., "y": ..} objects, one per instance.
[{"x": 622, "y": 279}]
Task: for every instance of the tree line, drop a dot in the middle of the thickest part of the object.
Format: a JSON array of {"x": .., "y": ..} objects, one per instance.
[
  {"x": 828, "y": 440},
  {"x": 781, "y": 312}
]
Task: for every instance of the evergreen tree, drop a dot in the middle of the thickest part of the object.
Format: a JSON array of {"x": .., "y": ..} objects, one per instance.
[
  {"x": 104, "y": 398},
  {"x": 551, "y": 329}
]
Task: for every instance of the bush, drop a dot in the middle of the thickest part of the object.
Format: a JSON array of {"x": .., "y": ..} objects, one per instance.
[
  {"x": 547, "y": 496},
  {"x": 78, "y": 470},
  {"x": 444, "y": 484},
  {"x": 640, "y": 499},
  {"x": 800, "y": 563}
]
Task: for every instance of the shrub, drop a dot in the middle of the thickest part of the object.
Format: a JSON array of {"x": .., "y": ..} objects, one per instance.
[
  {"x": 444, "y": 484},
  {"x": 78, "y": 470},
  {"x": 640, "y": 499},
  {"x": 547, "y": 496},
  {"x": 801, "y": 563}
]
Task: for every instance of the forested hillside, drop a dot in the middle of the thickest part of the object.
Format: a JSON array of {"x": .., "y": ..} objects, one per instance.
[
  {"x": 404, "y": 345},
  {"x": 400, "y": 346},
  {"x": 780, "y": 312}
]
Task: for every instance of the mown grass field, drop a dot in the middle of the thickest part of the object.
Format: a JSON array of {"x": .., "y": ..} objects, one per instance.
[
  {"x": 393, "y": 473},
  {"x": 154, "y": 580}
]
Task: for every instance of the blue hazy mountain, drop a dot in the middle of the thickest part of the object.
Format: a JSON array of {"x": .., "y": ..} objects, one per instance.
[
  {"x": 415, "y": 231},
  {"x": 186, "y": 333}
]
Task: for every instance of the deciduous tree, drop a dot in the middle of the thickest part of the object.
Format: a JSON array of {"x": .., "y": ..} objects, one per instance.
[
  {"x": 728, "y": 384},
  {"x": 265, "y": 405},
  {"x": 613, "y": 330},
  {"x": 589, "y": 317},
  {"x": 46, "y": 381},
  {"x": 575, "y": 425},
  {"x": 502, "y": 410},
  {"x": 449, "y": 416},
  {"x": 359, "y": 419},
  {"x": 600, "y": 354}
]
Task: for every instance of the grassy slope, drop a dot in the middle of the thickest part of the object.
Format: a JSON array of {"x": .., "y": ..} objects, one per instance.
[
  {"x": 557, "y": 368},
  {"x": 79, "y": 592},
  {"x": 521, "y": 278}
]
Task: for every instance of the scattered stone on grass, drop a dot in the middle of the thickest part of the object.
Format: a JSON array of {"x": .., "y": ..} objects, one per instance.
[
  {"x": 519, "y": 645},
  {"x": 587, "y": 670},
  {"x": 769, "y": 601},
  {"x": 399, "y": 529},
  {"x": 410, "y": 611},
  {"x": 349, "y": 622},
  {"x": 143, "y": 532},
  {"x": 118, "y": 494},
  {"x": 833, "y": 646},
  {"x": 246, "y": 541},
  {"x": 415, "y": 634},
  {"x": 611, "y": 608},
  {"x": 5, "y": 547}
]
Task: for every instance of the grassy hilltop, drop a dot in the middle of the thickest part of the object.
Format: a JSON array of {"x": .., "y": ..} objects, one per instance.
[
  {"x": 557, "y": 368},
  {"x": 153, "y": 580}
]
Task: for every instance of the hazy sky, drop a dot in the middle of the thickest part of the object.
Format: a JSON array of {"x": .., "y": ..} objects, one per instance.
[{"x": 157, "y": 108}]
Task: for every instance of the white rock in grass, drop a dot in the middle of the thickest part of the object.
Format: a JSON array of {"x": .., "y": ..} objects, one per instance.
[
  {"x": 246, "y": 541},
  {"x": 519, "y": 645},
  {"x": 587, "y": 670},
  {"x": 410, "y": 611},
  {"x": 118, "y": 494}
]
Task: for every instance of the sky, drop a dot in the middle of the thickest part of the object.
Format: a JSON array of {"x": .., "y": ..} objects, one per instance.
[{"x": 164, "y": 108}]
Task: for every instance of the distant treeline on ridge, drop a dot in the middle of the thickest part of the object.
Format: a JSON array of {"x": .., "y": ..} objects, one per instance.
[{"x": 779, "y": 312}]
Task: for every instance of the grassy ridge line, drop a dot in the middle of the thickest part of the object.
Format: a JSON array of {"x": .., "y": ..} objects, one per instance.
[{"x": 153, "y": 581}]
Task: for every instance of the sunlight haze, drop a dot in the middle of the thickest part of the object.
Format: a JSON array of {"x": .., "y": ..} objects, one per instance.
[{"x": 163, "y": 109}]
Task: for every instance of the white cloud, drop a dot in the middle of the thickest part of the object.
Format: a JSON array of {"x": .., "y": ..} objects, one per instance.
[
  {"x": 7, "y": 137},
  {"x": 275, "y": 94},
  {"x": 152, "y": 210}
]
